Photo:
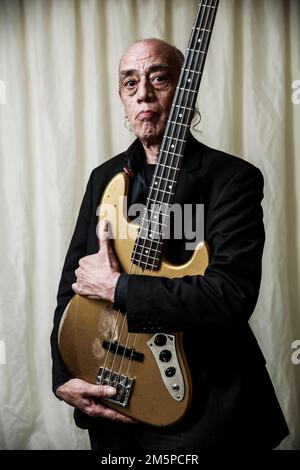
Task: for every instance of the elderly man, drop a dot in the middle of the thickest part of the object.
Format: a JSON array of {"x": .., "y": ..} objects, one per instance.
[{"x": 233, "y": 404}]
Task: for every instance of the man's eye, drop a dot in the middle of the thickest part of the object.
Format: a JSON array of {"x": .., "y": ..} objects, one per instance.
[
  {"x": 130, "y": 83},
  {"x": 159, "y": 79}
]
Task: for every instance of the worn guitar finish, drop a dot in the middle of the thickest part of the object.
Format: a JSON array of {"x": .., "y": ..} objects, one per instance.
[{"x": 149, "y": 371}]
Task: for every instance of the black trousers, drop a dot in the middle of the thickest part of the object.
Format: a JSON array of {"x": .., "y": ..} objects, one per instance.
[
  {"x": 133, "y": 438},
  {"x": 136, "y": 438}
]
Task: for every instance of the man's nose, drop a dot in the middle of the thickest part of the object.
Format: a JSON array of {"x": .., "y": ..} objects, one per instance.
[{"x": 145, "y": 91}]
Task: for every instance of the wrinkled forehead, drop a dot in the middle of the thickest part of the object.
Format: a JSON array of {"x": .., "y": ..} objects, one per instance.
[{"x": 142, "y": 55}]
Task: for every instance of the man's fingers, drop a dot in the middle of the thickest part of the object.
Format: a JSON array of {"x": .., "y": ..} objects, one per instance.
[
  {"x": 108, "y": 413},
  {"x": 97, "y": 409},
  {"x": 99, "y": 391},
  {"x": 75, "y": 288},
  {"x": 85, "y": 396},
  {"x": 79, "y": 289},
  {"x": 103, "y": 232},
  {"x": 105, "y": 244}
]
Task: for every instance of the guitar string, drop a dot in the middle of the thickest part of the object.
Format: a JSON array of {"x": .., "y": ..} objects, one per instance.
[
  {"x": 150, "y": 208},
  {"x": 183, "y": 95},
  {"x": 117, "y": 344},
  {"x": 178, "y": 129},
  {"x": 189, "y": 67},
  {"x": 188, "y": 64}
]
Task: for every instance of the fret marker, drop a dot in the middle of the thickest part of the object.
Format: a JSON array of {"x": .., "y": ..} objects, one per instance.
[
  {"x": 172, "y": 146},
  {"x": 170, "y": 186},
  {"x": 150, "y": 235},
  {"x": 146, "y": 251},
  {"x": 155, "y": 217},
  {"x": 189, "y": 79},
  {"x": 199, "y": 40},
  {"x": 180, "y": 115},
  {"x": 155, "y": 183}
]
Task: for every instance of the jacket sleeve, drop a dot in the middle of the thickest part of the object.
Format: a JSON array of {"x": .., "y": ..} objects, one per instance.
[
  {"x": 77, "y": 249},
  {"x": 225, "y": 296}
]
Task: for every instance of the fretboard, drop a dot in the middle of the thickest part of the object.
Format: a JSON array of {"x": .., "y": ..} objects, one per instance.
[{"x": 155, "y": 220}]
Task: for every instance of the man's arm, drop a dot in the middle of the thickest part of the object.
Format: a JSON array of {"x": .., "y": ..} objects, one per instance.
[{"x": 227, "y": 293}]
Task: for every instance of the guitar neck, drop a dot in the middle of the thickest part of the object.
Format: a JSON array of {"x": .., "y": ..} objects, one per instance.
[
  {"x": 149, "y": 243},
  {"x": 183, "y": 106}
]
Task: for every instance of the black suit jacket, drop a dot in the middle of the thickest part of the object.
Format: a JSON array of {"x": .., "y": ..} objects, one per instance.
[{"x": 233, "y": 401}]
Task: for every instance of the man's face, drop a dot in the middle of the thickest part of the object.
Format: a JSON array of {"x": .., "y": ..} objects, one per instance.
[{"x": 148, "y": 77}]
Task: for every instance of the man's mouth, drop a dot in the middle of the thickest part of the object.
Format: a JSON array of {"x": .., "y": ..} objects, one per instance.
[{"x": 146, "y": 115}]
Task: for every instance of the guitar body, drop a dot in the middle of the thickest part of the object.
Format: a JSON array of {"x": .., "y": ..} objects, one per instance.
[{"x": 149, "y": 371}]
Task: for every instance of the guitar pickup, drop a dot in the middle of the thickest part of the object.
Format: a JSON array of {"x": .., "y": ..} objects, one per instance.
[{"x": 116, "y": 348}]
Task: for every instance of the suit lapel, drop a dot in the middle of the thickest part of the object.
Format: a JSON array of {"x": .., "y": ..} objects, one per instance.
[{"x": 190, "y": 170}]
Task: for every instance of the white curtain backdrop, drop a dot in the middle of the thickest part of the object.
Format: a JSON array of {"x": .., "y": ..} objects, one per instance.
[{"x": 60, "y": 117}]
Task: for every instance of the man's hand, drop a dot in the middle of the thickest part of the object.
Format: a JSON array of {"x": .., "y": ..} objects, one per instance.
[
  {"x": 85, "y": 397},
  {"x": 98, "y": 274}
]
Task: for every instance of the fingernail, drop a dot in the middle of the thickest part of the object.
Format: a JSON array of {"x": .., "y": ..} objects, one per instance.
[{"x": 110, "y": 391}]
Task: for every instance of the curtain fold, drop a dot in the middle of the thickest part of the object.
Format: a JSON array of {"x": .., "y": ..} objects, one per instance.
[{"x": 62, "y": 116}]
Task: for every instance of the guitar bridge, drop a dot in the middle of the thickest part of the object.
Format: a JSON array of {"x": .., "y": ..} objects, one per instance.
[{"x": 121, "y": 383}]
